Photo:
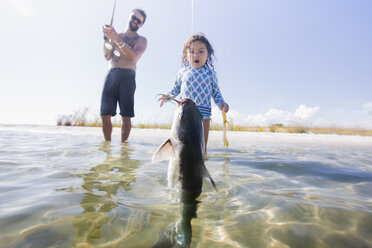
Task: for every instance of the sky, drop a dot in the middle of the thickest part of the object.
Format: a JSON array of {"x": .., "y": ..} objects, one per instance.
[{"x": 288, "y": 61}]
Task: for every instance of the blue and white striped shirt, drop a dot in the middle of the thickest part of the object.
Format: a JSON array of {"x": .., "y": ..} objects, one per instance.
[{"x": 200, "y": 85}]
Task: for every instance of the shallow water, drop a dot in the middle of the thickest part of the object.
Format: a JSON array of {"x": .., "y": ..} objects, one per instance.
[{"x": 64, "y": 187}]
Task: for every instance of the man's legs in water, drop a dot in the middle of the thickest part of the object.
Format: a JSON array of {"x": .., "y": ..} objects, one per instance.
[
  {"x": 125, "y": 128},
  {"x": 106, "y": 127}
]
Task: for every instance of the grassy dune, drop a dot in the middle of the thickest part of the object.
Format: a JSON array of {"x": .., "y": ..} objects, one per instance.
[
  {"x": 278, "y": 128},
  {"x": 80, "y": 118}
]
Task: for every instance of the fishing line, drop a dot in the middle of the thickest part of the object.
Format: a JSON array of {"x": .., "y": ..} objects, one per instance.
[
  {"x": 192, "y": 16},
  {"x": 224, "y": 121}
]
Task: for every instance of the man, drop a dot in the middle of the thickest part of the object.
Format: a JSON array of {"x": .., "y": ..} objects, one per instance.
[{"x": 124, "y": 50}]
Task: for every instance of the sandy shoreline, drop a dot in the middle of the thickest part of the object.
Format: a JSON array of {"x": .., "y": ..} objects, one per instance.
[{"x": 215, "y": 140}]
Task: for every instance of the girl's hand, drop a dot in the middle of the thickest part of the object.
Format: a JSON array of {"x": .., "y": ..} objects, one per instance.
[
  {"x": 162, "y": 100},
  {"x": 224, "y": 107}
]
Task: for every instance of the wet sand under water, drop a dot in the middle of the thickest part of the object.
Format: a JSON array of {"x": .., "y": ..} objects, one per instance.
[{"x": 64, "y": 187}]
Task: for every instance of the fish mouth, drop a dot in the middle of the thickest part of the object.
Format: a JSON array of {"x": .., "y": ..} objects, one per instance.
[
  {"x": 170, "y": 98},
  {"x": 186, "y": 101}
]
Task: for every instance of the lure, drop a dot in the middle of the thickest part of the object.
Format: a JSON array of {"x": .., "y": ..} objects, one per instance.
[{"x": 225, "y": 122}]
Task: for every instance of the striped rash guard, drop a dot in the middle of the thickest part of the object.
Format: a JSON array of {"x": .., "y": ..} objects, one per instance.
[{"x": 200, "y": 85}]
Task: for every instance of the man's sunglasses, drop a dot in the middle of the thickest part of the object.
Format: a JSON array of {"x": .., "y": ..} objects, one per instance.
[{"x": 135, "y": 18}]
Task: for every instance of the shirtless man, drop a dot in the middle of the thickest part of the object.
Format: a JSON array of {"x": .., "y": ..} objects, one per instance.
[{"x": 124, "y": 50}]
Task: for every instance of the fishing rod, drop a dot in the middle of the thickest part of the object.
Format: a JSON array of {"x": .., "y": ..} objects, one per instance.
[
  {"x": 112, "y": 16},
  {"x": 108, "y": 45},
  {"x": 112, "y": 20}
]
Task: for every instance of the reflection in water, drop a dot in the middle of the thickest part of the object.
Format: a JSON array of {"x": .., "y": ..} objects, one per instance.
[
  {"x": 225, "y": 168},
  {"x": 101, "y": 184},
  {"x": 180, "y": 233}
]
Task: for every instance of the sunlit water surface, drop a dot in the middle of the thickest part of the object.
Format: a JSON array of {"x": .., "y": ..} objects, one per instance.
[{"x": 64, "y": 187}]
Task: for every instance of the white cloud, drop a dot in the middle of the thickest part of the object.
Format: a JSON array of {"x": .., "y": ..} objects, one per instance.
[
  {"x": 367, "y": 108},
  {"x": 302, "y": 115},
  {"x": 306, "y": 113}
]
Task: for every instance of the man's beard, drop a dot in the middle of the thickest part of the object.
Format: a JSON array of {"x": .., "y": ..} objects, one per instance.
[{"x": 133, "y": 27}]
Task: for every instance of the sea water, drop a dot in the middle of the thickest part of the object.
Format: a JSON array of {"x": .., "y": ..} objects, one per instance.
[{"x": 65, "y": 187}]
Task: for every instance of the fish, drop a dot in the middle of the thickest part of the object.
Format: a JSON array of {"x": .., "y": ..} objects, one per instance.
[
  {"x": 186, "y": 169},
  {"x": 185, "y": 149}
]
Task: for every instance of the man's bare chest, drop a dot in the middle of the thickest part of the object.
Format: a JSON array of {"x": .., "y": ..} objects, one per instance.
[{"x": 130, "y": 40}]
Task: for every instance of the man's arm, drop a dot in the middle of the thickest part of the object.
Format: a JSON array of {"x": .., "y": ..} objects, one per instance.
[{"x": 134, "y": 53}]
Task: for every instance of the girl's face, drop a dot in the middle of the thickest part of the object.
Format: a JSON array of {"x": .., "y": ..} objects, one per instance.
[{"x": 197, "y": 54}]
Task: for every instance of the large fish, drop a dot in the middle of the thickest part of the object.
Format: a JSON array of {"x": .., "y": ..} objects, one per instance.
[
  {"x": 185, "y": 149},
  {"x": 186, "y": 169}
]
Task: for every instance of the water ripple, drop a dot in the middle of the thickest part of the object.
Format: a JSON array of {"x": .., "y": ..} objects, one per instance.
[{"x": 64, "y": 187}]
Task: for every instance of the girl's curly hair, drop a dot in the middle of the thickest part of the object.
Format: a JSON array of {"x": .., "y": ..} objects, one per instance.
[{"x": 187, "y": 46}]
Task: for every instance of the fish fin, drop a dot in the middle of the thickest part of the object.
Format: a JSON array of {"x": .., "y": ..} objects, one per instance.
[
  {"x": 165, "y": 151},
  {"x": 206, "y": 174}
]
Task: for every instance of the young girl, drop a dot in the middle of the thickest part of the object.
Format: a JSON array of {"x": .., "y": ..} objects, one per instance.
[{"x": 197, "y": 79}]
